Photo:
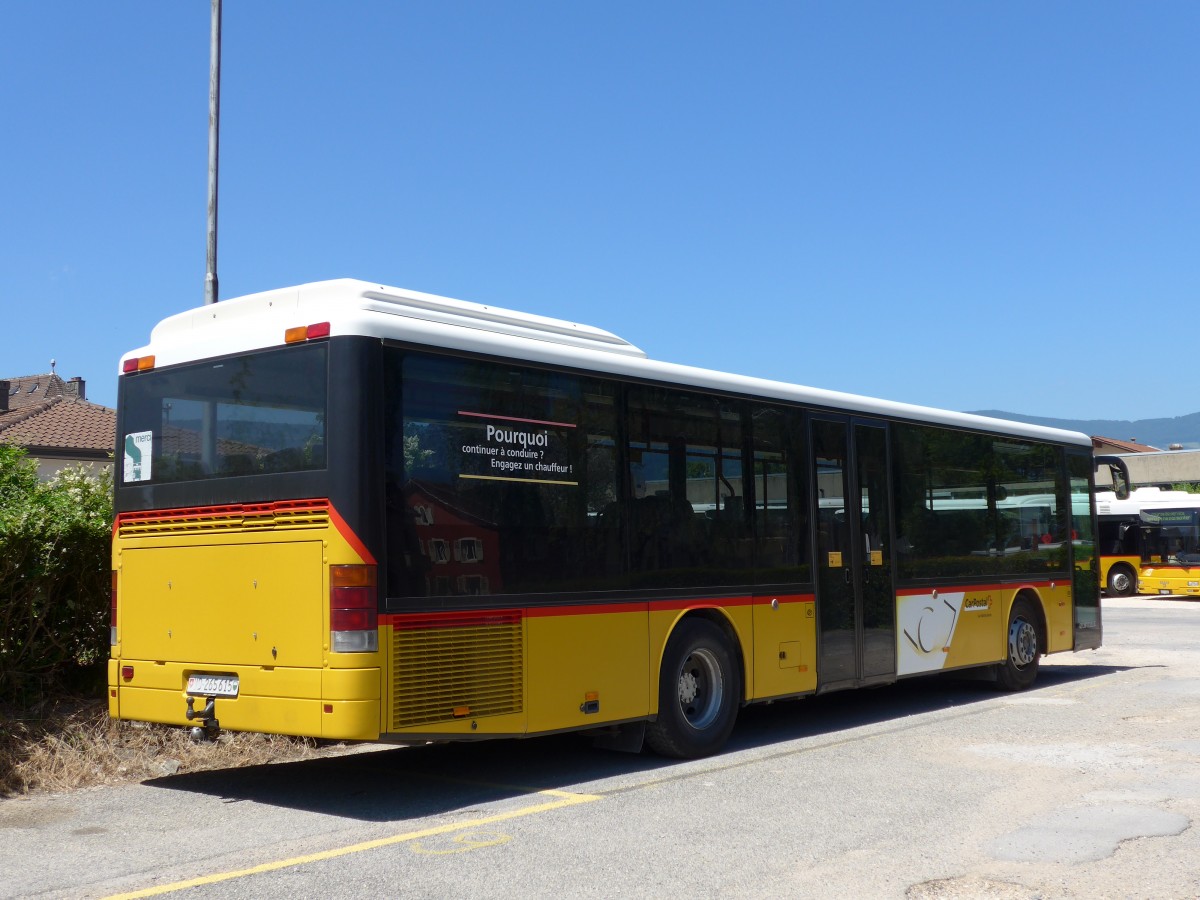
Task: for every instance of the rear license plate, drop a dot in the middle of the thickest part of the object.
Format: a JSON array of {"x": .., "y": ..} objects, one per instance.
[{"x": 212, "y": 685}]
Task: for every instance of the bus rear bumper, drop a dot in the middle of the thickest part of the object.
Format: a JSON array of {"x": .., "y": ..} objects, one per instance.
[{"x": 160, "y": 696}]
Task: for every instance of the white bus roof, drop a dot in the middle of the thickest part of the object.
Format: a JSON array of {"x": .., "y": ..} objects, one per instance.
[
  {"x": 352, "y": 307},
  {"x": 1107, "y": 503}
]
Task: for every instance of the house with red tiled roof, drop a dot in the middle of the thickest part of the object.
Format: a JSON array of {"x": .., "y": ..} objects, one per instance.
[
  {"x": 54, "y": 422},
  {"x": 1107, "y": 445}
]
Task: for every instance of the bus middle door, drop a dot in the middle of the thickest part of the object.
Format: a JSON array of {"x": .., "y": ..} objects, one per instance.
[{"x": 856, "y": 605}]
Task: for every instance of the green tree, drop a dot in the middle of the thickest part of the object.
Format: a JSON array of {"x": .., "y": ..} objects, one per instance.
[{"x": 54, "y": 576}]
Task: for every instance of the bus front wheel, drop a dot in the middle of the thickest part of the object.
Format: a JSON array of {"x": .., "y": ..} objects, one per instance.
[
  {"x": 1020, "y": 667},
  {"x": 698, "y": 693},
  {"x": 1121, "y": 581}
]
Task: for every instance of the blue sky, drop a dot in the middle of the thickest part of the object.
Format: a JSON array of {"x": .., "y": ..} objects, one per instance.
[{"x": 964, "y": 205}]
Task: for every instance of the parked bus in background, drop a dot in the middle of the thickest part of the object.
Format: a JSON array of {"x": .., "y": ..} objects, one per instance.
[
  {"x": 357, "y": 512},
  {"x": 1149, "y": 542}
]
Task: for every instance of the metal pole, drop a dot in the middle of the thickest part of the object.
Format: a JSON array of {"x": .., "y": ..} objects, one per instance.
[
  {"x": 208, "y": 424},
  {"x": 214, "y": 127}
]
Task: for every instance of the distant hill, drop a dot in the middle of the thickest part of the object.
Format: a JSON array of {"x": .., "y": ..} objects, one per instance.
[{"x": 1161, "y": 433}]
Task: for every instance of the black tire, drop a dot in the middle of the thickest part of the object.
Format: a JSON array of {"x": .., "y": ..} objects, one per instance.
[
  {"x": 1020, "y": 668},
  {"x": 700, "y": 687},
  {"x": 1121, "y": 581}
]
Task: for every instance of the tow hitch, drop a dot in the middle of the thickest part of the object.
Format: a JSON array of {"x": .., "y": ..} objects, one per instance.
[{"x": 209, "y": 727}]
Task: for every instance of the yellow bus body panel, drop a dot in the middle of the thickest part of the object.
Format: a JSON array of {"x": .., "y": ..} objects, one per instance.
[
  {"x": 785, "y": 646},
  {"x": 242, "y": 604},
  {"x": 1060, "y": 616},
  {"x": 587, "y": 669},
  {"x": 979, "y": 632},
  {"x": 245, "y": 594}
]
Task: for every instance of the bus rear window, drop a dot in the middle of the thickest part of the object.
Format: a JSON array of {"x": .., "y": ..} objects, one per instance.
[{"x": 248, "y": 415}]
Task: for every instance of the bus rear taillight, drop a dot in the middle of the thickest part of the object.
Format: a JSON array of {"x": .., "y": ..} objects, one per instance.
[
  {"x": 112, "y": 616},
  {"x": 353, "y": 609}
]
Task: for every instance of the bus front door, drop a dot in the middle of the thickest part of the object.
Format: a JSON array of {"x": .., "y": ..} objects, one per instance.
[{"x": 855, "y": 600}]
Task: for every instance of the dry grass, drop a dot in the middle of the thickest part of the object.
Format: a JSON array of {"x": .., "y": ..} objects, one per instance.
[{"x": 70, "y": 744}]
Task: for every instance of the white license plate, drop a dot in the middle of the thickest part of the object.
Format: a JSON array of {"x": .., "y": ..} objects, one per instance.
[
  {"x": 1161, "y": 591},
  {"x": 212, "y": 685}
]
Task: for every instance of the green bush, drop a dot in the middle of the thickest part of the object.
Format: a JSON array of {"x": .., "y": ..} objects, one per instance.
[{"x": 55, "y": 578}]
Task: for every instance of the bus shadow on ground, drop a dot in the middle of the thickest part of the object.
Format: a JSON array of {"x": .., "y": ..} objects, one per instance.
[{"x": 413, "y": 783}]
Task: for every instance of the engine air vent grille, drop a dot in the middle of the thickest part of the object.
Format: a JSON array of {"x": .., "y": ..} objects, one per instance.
[{"x": 452, "y": 666}]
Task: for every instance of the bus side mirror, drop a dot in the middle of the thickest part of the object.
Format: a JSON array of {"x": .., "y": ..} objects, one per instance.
[
  {"x": 1118, "y": 472},
  {"x": 1120, "y": 479}
]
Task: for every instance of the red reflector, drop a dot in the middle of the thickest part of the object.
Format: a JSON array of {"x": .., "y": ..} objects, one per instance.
[
  {"x": 328, "y": 707},
  {"x": 127, "y": 673},
  {"x": 130, "y": 365},
  {"x": 353, "y": 619},
  {"x": 352, "y": 598},
  {"x": 319, "y": 330}
]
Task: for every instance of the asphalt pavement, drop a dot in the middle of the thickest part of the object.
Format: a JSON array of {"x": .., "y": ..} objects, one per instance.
[{"x": 1088, "y": 785}]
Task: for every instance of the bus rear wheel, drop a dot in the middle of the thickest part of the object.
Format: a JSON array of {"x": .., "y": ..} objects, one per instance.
[
  {"x": 698, "y": 693},
  {"x": 1121, "y": 581},
  {"x": 1020, "y": 667}
]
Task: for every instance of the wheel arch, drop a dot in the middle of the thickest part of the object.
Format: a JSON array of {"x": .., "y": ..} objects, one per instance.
[
  {"x": 1121, "y": 566},
  {"x": 721, "y": 619},
  {"x": 1034, "y": 599}
]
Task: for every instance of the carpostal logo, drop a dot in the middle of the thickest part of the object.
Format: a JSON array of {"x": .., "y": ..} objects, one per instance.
[{"x": 977, "y": 604}]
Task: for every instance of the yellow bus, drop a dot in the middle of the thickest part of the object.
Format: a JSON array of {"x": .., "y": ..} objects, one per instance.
[
  {"x": 346, "y": 510},
  {"x": 1149, "y": 542}
]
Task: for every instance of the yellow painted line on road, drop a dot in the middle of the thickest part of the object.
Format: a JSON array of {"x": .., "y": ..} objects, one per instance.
[{"x": 564, "y": 799}]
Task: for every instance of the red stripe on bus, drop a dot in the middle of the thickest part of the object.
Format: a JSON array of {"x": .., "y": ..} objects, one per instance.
[
  {"x": 539, "y": 612},
  {"x": 421, "y": 621},
  {"x": 483, "y": 617},
  {"x": 202, "y": 513},
  {"x": 350, "y": 537}
]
